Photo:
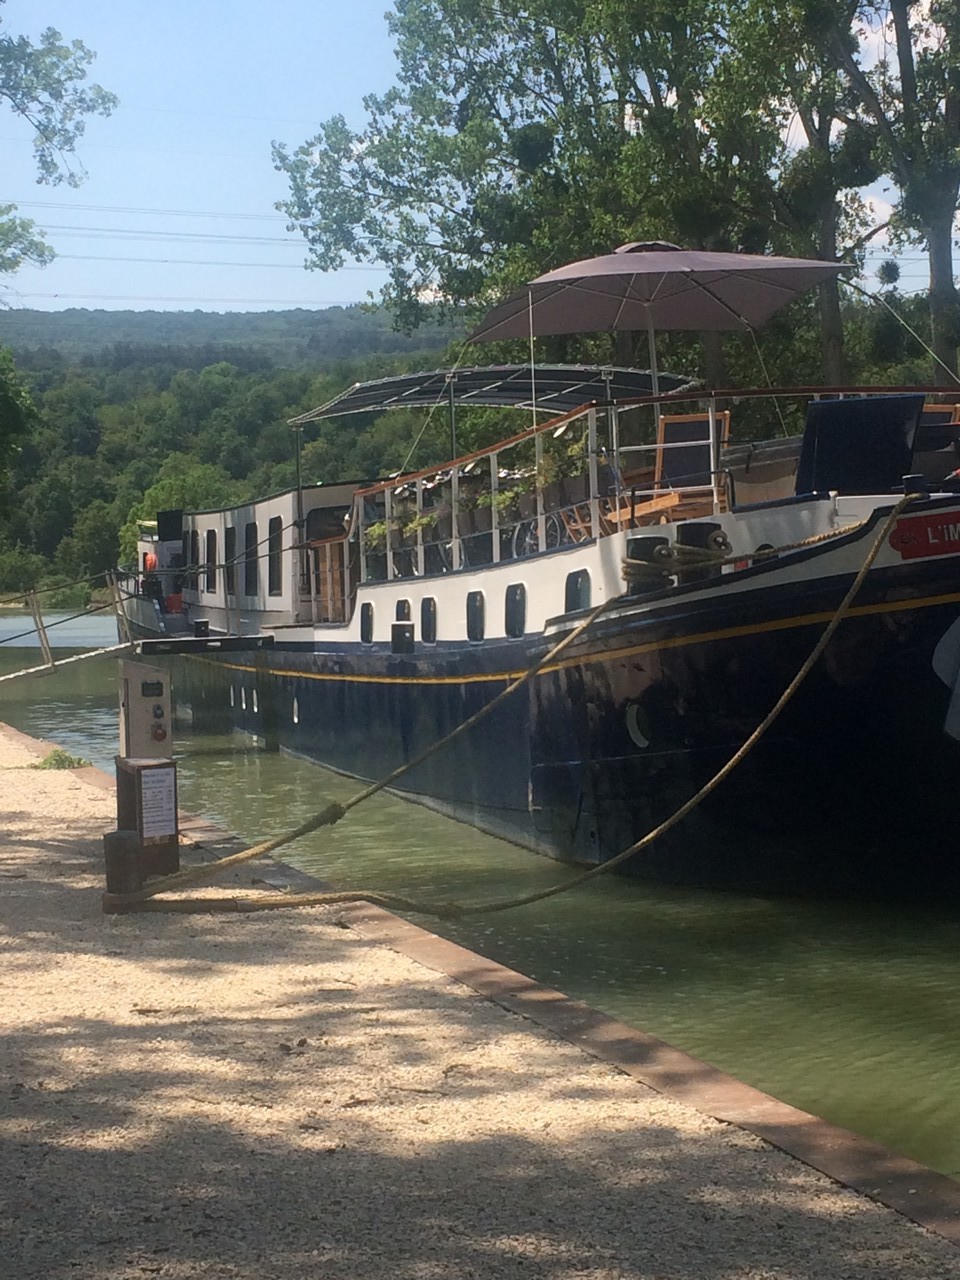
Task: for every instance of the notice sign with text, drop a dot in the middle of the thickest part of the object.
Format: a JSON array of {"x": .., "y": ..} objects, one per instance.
[{"x": 158, "y": 803}]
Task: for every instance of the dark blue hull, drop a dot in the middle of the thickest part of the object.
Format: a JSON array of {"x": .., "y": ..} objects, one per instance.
[{"x": 853, "y": 790}]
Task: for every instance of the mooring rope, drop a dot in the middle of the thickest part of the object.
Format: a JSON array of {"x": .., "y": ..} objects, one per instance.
[
  {"x": 334, "y": 812},
  {"x": 145, "y": 899}
]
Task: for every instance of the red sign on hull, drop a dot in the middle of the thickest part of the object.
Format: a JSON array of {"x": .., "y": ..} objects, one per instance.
[{"x": 930, "y": 535}]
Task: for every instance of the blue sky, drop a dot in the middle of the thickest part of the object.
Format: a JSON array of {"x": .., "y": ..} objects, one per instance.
[{"x": 205, "y": 86}]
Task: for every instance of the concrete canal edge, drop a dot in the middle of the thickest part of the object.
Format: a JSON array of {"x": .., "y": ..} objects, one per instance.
[{"x": 921, "y": 1194}]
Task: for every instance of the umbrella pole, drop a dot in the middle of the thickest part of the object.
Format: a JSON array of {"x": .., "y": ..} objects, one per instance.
[
  {"x": 533, "y": 368},
  {"x": 652, "y": 348}
]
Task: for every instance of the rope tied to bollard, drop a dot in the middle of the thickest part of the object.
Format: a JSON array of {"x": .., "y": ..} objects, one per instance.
[{"x": 145, "y": 899}]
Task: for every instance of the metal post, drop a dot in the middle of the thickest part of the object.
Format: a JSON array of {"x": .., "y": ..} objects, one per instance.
[
  {"x": 45, "y": 649},
  {"x": 714, "y": 455},
  {"x": 123, "y": 622},
  {"x": 494, "y": 508},
  {"x": 388, "y": 521},
  {"x": 451, "y": 388},
  {"x": 592, "y": 466},
  {"x": 421, "y": 555},
  {"x": 454, "y": 516},
  {"x": 538, "y": 475}
]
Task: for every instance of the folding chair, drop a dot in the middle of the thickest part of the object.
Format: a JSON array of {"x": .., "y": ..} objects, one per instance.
[{"x": 684, "y": 462}]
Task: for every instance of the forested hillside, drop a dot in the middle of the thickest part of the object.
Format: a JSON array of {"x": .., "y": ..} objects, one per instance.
[
  {"x": 287, "y": 336},
  {"x": 135, "y": 411}
]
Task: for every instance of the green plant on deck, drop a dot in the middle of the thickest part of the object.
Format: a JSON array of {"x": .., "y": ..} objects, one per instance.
[
  {"x": 60, "y": 759},
  {"x": 503, "y": 499},
  {"x": 420, "y": 524},
  {"x": 375, "y": 535}
]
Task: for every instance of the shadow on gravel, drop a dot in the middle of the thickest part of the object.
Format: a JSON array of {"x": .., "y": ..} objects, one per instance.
[{"x": 356, "y": 1121}]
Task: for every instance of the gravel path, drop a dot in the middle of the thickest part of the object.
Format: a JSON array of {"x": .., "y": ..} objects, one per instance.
[{"x": 276, "y": 1096}]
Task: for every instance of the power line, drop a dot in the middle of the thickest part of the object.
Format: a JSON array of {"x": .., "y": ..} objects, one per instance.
[
  {"x": 165, "y": 213},
  {"x": 133, "y": 233},
  {"x": 133, "y": 297},
  {"x": 197, "y": 262}
]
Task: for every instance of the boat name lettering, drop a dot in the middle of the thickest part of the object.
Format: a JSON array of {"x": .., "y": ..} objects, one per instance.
[{"x": 931, "y": 535}]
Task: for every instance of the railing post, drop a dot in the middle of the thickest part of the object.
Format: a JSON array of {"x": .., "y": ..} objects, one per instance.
[
  {"x": 361, "y": 537},
  {"x": 592, "y": 467},
  {"x": 388, "y": 521},
  {"x": 538, "y": 477},
  {"x": 421, "y": 555},
  {"x": 455, "y": 517},
  {"x": 714, "y": 454},
  {"x": 123, "y": 622},
  {"x": 45, "y": 649},
  {"x": 494, "y": 508}
]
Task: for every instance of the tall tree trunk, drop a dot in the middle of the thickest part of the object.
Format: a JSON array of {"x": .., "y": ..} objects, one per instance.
[
  {"x": 943, "y": 293},
  {"x": 714, "y": 364},
  {"x": 831, "y": 326}
]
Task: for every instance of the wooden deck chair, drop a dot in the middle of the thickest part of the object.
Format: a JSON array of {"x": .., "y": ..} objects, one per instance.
[
  {"x": 937, "y": 428},
  {"x": 688, "y": 464},
  {"x": 935, "y": 415},
  {"x": 936, "y": 442}
]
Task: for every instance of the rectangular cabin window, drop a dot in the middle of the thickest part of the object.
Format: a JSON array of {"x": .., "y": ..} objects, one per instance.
[
  {"x": 230, "y": 559},
  {"x": 250, "y": 551},
  {"x": 195, "y": 558},
  {"x": 211, "y": 560},
  {"x": 275, "y": 556}
]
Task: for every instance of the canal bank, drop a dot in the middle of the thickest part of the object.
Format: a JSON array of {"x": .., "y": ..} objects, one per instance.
[{"x": 279, "y": 1095}]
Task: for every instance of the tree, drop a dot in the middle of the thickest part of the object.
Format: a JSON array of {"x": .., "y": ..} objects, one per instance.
[
  {"x": 181, "y": 482},
  {"x": 784, "y": 62},
  {"x": 909, "y": 99},
  {"x": 519, "y": 136},
  {"x": 525, "y": 135},
  {"x": 16, "y": 414},
  {"x": 43, "y": 84}
]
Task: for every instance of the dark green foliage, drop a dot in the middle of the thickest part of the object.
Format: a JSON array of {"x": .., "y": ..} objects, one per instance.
[{"x": 121, "y": 430}]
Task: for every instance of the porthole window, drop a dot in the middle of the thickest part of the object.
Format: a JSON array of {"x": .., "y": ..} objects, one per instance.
[
  {"x": 475, "y": 615},
  {"x": 403, "y": 611},
  {"x": 366, "y": 623},
  {"x": 243, "y": 699},
  {"x": 256, "y": 703},
  {"x": 296, "y": 711},
  {"x": 428, "y": 620},
  {"x": 577, "y": 593},
  {"x": 515, "y": 610}
]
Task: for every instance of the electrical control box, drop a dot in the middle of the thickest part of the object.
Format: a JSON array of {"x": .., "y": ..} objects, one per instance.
[{"x": 146, "y": 720}]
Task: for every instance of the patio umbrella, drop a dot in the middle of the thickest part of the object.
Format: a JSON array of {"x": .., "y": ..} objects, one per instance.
[{"x": 651, "y": 286}]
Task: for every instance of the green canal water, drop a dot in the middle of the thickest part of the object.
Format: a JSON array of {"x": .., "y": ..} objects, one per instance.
[{"x": 851, "y": 1011}]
